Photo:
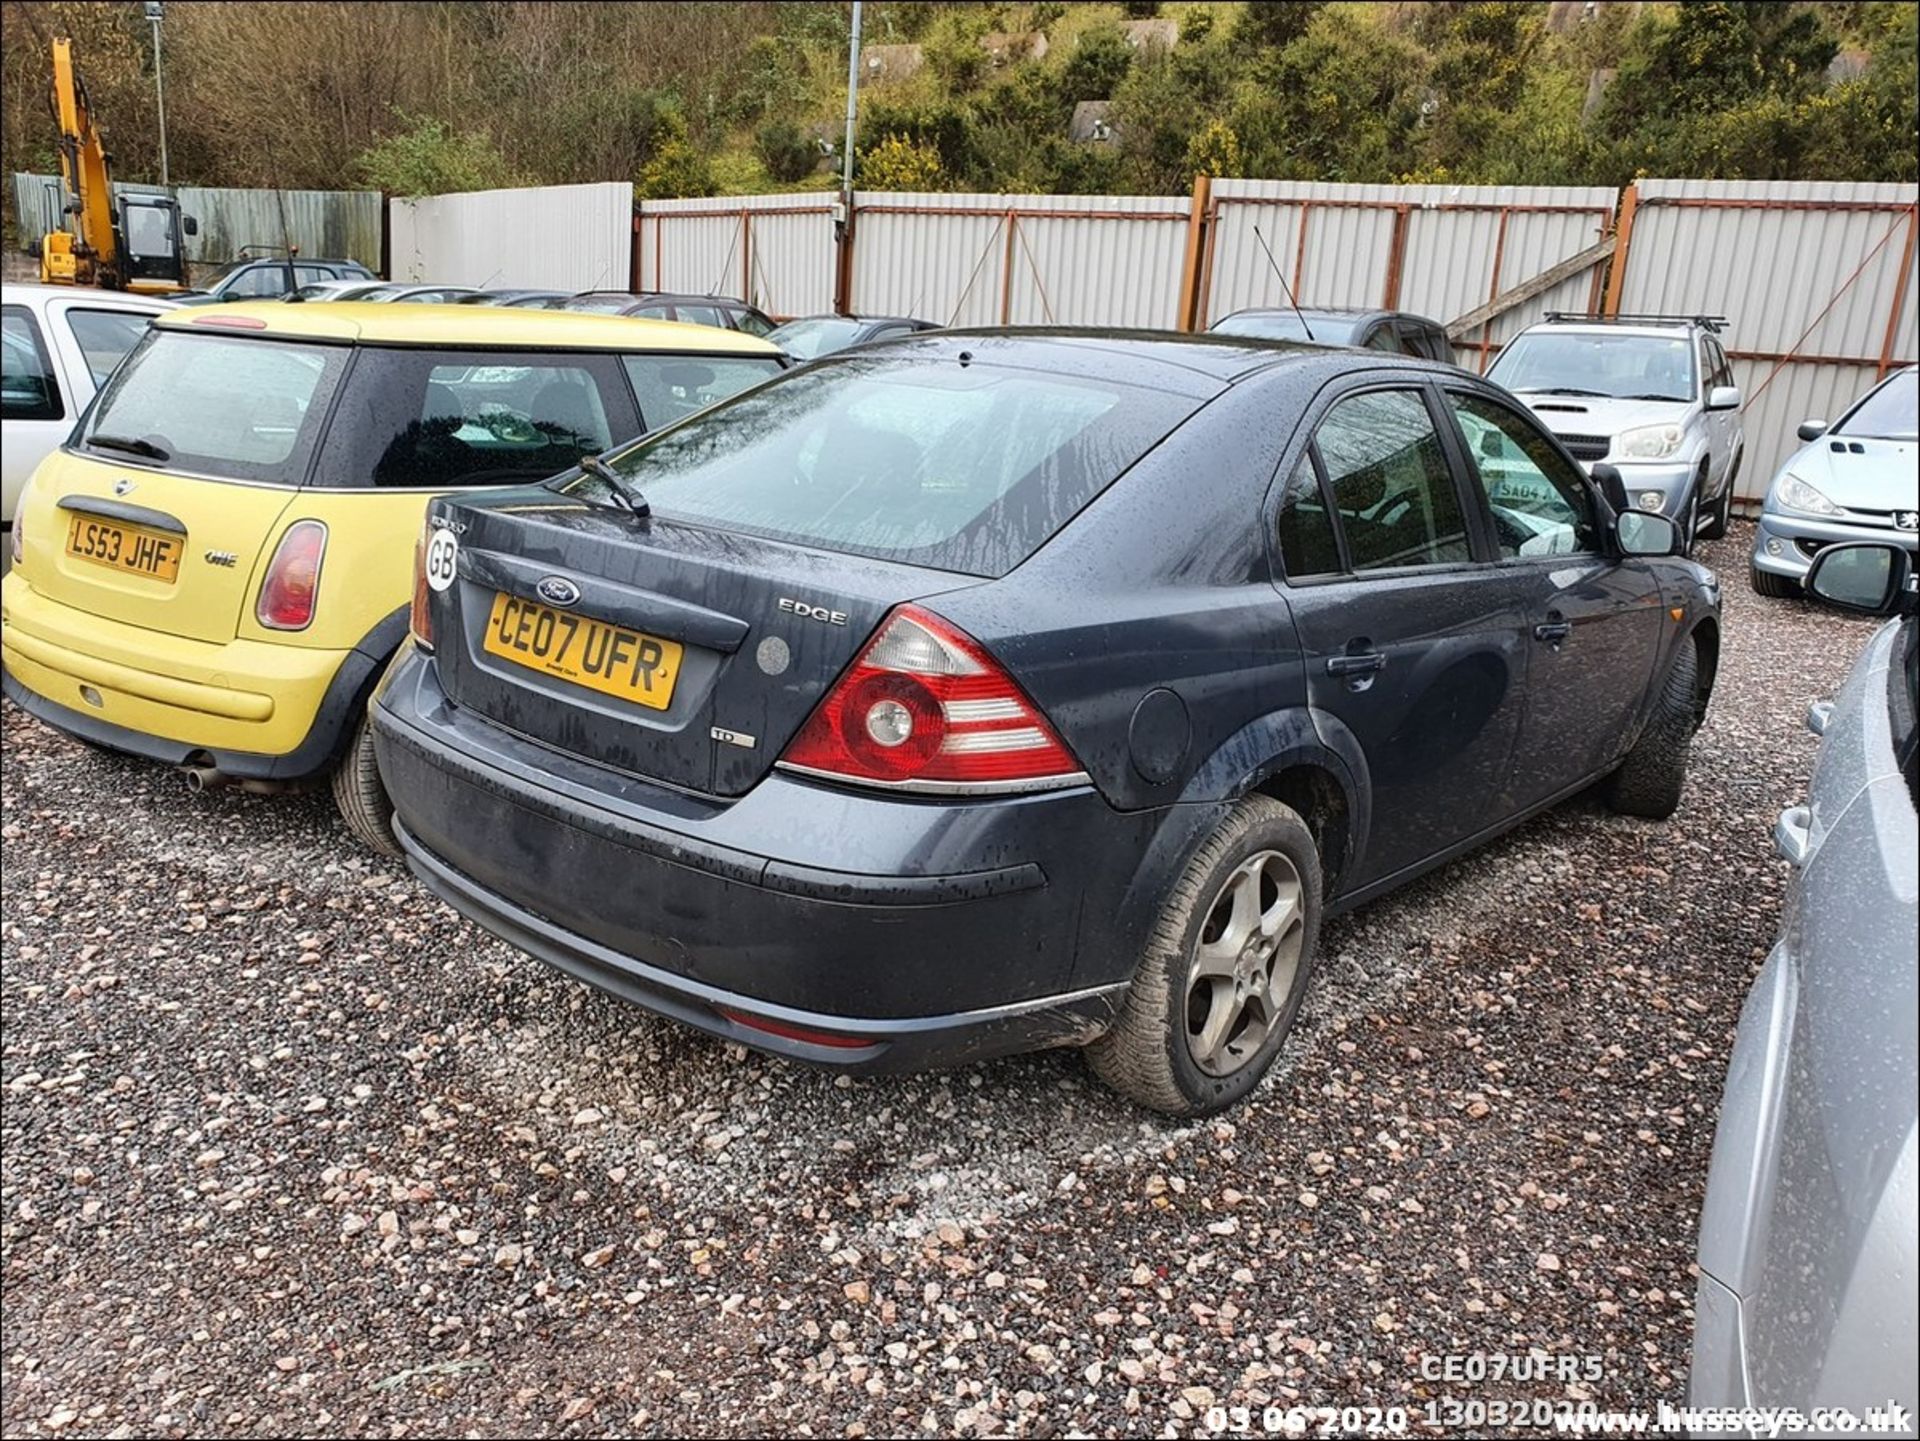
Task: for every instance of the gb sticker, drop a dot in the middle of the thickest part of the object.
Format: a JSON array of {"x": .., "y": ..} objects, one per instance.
[{"x": 442, "y": 552}]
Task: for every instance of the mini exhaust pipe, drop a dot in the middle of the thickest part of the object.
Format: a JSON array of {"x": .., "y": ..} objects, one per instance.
[{"x": 201, "y": 779}]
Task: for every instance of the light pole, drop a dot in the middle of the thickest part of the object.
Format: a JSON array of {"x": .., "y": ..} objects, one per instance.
[
  {"x": 159, "y": 91},
  {"x": 843, "y": 220}
]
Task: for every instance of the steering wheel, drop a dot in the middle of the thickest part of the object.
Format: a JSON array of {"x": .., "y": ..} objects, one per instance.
[{"x": 511, "y": 427}]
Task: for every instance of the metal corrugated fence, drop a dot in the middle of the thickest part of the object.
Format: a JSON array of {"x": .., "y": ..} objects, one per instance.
[
  {"x": 1019, "y": 259},
  {"x": 333, "y": 224},
  {"x": 773, "y": 250},
  {"x": 1817, "y": 281},
  {"x": 560, "y": 237},
  {"x": 1436, "y": 250},
  {"x": 955, "y": 258}
]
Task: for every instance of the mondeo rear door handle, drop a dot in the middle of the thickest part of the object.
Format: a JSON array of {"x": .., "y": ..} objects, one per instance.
[{"x": 1553, "y": 631}]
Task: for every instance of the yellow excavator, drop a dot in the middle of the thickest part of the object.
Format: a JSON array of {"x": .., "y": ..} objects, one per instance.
[{"x": 129, "y": 242}]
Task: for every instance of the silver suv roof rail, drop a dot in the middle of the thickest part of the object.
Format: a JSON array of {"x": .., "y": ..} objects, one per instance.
[{"x": 1715, "y": 323}]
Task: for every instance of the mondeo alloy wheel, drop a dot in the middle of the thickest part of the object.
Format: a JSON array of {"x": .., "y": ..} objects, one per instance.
[
  {"x": 1245, "y": 963},
  {"x": 1223, "y": 972}
]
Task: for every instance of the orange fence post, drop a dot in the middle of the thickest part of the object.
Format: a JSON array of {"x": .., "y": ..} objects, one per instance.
[
  {"x": 1623, "y": 229},
  {"x": 1899, "y": 293},
  {"x": 1396, "y": 256},
  {"x": 1197, "y": 237}
]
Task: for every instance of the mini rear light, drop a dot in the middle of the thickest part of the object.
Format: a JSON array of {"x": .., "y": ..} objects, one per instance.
[
  {"x": 924, "y": 708},
  {"x": 231, "y": 322},
  {"x": 292, "y": 588},
  {"x": 420, "y": 616}
]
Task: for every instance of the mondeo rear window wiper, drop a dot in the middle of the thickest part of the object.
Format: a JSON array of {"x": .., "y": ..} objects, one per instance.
[
  {"x": 628, "y": 496},
  {"x": 132, "y": 446}
]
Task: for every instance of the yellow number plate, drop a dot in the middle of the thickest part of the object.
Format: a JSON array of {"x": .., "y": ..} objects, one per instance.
[
  {"x": 608, "y": 658},
  {"x": 132, "y": 549}
]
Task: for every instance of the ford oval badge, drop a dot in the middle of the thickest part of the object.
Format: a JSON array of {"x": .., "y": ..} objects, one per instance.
[{"x": 558, "y": 590}]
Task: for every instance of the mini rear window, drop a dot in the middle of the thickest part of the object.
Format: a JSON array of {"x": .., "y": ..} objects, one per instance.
[
  {"x": 959, "y": 468},
  {"x": 218, "y": 405}
]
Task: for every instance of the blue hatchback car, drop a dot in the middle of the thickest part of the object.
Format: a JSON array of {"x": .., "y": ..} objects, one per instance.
[{"x": 992, "y": 691}]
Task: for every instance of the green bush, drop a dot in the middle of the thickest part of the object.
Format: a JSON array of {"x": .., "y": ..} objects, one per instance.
[
  {"x": 1098, "y": 64},
  {"x": 430, "y": 158},
  {"x": 786, "y": 150},
  {"x": 673, "y": 166},
  {"x": 1196, "y": 25},
  {"x": 897, "y": 163},
  {"x": 1275, "y": 23}
]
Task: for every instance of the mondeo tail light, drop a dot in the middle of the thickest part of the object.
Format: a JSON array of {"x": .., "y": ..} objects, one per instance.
[
  {"x": 420, "y": 616},
  {"x": 924, "y": 708},
  {"x": 292, "y": 586}
]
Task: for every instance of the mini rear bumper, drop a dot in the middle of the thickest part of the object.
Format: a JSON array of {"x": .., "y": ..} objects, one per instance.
[
  {"x": 866, "y": 932},
  {"x": 254, "y": 709}
]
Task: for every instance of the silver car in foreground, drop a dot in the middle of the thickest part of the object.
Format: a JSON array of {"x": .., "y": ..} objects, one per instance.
[
  {"x": 1853, "y": 480},
  {"x": 1807, "y": 1239}
]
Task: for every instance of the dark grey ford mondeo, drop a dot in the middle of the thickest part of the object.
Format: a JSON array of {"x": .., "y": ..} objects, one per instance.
[{"x": 985, "y": 692}]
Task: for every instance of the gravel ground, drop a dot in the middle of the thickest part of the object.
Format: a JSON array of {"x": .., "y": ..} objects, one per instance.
[{"x": 288, "y": 1147}]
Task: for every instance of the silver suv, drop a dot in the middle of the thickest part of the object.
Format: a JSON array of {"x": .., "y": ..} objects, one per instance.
[{"x": 1650, "y": 394}]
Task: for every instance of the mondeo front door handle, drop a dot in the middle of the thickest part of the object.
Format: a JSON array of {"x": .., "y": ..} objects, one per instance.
[
  {"x": 1553, "y": 631},
  {"x": 1362, "y": 663}
]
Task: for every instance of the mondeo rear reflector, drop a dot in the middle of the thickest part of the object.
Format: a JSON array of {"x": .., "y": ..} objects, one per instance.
[{"x": 924, "y": 708}]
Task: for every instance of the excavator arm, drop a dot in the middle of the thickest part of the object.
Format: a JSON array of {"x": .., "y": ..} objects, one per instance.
[{"x": 92, "y": 249}]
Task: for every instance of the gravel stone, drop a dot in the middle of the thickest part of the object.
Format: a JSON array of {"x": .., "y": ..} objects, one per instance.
[{"x": 287, "y": 1147}]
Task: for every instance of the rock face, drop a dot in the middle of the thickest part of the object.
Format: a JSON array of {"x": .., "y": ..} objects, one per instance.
[
  {"x": 1151, "y": 34},
  {"x": 1849, "y": 64},
  {"x": 889, "y": 64},
  {"x": 1007, "y": 47},
  {"x": 1092, "y": 124}
]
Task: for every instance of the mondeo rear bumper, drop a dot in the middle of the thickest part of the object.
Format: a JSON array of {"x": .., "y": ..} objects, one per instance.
[{"x": 776, "y": 920}]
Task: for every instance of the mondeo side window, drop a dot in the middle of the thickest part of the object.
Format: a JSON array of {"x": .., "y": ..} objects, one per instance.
[
  {"x": 217, "y": 405},
  {"x": 966, "y": 468},
  {"x": 1392, "y": 488}
]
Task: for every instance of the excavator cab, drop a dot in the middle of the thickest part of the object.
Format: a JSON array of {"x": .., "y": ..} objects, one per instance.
[{"x": 153, "y": 242}]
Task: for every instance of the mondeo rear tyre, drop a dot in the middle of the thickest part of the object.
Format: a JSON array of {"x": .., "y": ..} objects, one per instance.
[{"x": 1225, "y": 969}]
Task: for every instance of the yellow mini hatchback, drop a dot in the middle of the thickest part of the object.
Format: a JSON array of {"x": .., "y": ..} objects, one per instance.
[{"x": 216, "y": 566}]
